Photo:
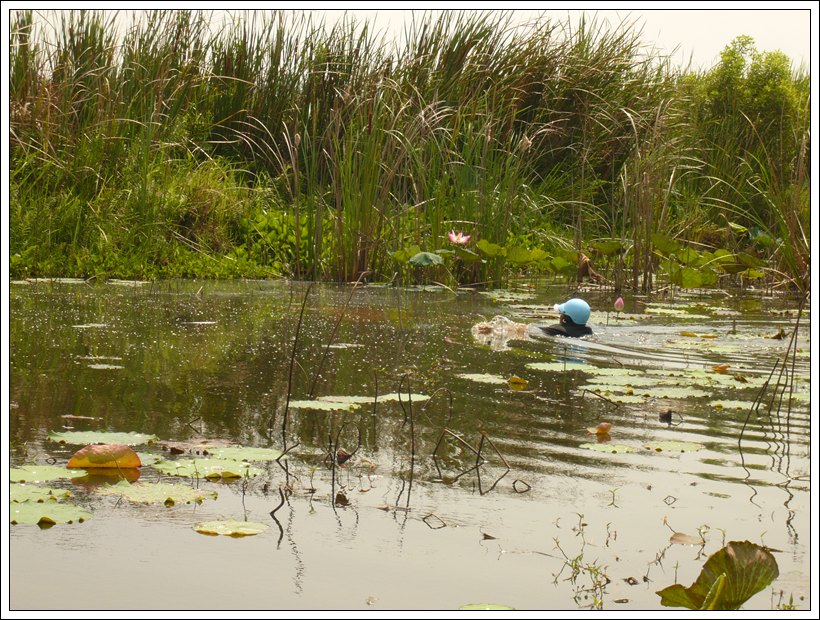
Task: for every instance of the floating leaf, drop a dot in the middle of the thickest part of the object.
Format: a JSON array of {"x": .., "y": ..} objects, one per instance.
[
  {"x": 602, "y": 429},
  {"x": 403, "y": 397},
  {"x": 117, "y": 456},
  {"x": 678, "y": 392},
  {"x": 41, "y": 473},
  {"x": 93, "y": 437},
  {"x": 235, "y": 529},
  {"x": 674, "y": 446},
  {"x": 730, "y": 404},
  {"x": 105, "y": 367},
  {"x": 157, "y": 493},
  {"x": 483, "y": 378},
  {"x": 46, "y": 514},
  {"x": 105, "y": 476},
  {"x": 685, "y": 539},
  {"x": 207, "y": 468},
  {"x": 517, "y": 383},
  {"x": 721, "y": 369},
  {"x": 614, "y": 448},
  {"x": 240, "y": 453},
  {"x": 29, "y": 493},
  {"x": 323, "y": 405},
  {"x": 485, "y": 607},
  {"x": 358, "y": 400},
  {"x": 560, "y": 366},
  {"x": 729, "y": 578}
]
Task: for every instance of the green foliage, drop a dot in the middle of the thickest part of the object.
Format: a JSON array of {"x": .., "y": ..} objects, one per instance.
[{"x": 280, "y": 147}]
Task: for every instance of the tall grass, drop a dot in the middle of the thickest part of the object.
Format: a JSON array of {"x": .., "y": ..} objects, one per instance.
[{"x": 277, "y": 143}]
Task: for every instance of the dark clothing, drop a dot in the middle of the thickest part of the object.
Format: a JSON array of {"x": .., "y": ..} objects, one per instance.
[{"x": 566, "y": 328}]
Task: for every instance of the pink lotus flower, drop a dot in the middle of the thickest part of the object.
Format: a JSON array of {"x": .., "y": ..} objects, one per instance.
[
  {"x": 458, "y": 238},
  {"x": 619, "y": 304}
]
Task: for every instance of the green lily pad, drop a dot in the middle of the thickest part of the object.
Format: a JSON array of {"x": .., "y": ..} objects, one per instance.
[
  {"x": 28, "y": 493},
  {"x": 394, "y": 397},
  {"x": 485, "y": 607},
  {"x": 356, "y": 400},
  {"x": 731, "y": 404},
  {"x": 615, "y": 397},
  {"x": 560, "y": 367},
  {"x": 92, "y": 437},
  {"x": 677, "y": 392},
  {"x": 240, "y": 453},
  {"x": 483, "y": 378},
  {"x": 509, "y": 296},
  {"x": 46, "y": 513},
  {"x": 674, "y": 312},
  {"x": 323, "y": 405},
  {"x": 42, "y": 473},
  {"x": 207, "y": 468},
  {"x": 730, "y": 577},
  {"x": 148, "y": 458},
  {"x": 157, "y": 493},
  {"x": 105, "y": 366},
  {"x": 674, "y": 446},
  {"x": 235, "y": 529},
  {"x": 613, "y": 448}
]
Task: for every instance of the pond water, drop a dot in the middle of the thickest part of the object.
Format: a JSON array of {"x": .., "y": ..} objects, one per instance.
[{"x": 520, "y": 506}]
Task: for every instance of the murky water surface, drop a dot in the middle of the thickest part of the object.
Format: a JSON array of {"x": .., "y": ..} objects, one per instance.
[{"x": 517, "y": 495}]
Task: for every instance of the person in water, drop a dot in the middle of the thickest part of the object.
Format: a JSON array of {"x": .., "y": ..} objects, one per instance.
[{"x": 574, "y": 316}]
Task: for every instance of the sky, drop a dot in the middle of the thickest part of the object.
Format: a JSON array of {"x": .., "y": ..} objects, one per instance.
[{"x": 695, "y": 33}]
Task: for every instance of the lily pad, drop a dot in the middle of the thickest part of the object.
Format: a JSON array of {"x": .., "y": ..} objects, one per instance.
[
  {"x": 485, "y": 607},
  {"x": 677, "y": 392},
  {"x": 46, "y": 514},
  {"x": 679, "y": 538},
  {"x": 560, "y": 366},
  {"x": 28, "y": 493},
  {"x": 730, "y": 577},
  {"x": 323, "y": 405},
  {"x": 357, "y": 400},
  {"x": 674, "y": 446},
  {"x": 403, "y": 397},
  {"x": 614, "y": 448},
  {"x": 116, "y": 456},
  {"x": 92, "y": 437},
  {"x": 483, "y": 378},
  {"x": 731, "y": 404},
  {"x": 240, "y": 453},
  {"x": 105, "y": 367},
  {"x": 235, "y": 529},
  {"x": 207, "y": 468},
  {"x": 41, "y": 473},
  {"x": 90, "y": 326},
  {"x": 157, "y": 493}
]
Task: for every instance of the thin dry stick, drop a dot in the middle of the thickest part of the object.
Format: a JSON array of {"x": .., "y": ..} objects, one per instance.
[
  {"x": 290, "y": 368},
  {"x": 501, "y": 456},
  {"x": 756, "y": 403},
  {"x": 333, "y": 334}
]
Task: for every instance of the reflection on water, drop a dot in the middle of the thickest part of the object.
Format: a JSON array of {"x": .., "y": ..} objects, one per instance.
[{"x": 461, "y": 496}]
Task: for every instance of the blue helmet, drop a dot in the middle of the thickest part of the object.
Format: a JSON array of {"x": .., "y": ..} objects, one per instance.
[{"x": 576, "y": 309}]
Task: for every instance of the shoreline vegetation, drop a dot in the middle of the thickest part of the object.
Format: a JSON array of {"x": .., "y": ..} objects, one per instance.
[{"x": 278, "y": 147}]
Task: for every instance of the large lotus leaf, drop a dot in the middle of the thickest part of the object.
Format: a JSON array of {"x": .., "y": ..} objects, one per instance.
[
  {"x": 92, "y": 437},
  {"x": 240, "y": 453},
  {"x": 608, "y": 247},
  {"x": 117, "y": 456},
  {"x": 490, "y": 249},
  {"x": 323, "y": 405},
  {"x": 673, "y": 446},
  {"x": 425, "y": 259},
  {"x": 46, "y": 513},
  {"x": 485, "y": 607},
  {"x": 403, "y": 255},
  {"x": 505, "y": 295},
  {"x": 664, "y": 244},
  {"x": 235, "y": 529},
  {"x": 688, "y": 256},
  {"x": 468, "y": 256},
  {"x": 687, "y": 277},
  {"x": 41, "y": 473},
  {"x": 518, "y": 255},
  {"x": 730, "y": 577},
  {"x": 157, "y": 493},
  {"x": 207, "y": 468},
  {"x": 613, "y": 448},
  {"x": 483, "y": 378},
  {"x": 29, "y": 493}
]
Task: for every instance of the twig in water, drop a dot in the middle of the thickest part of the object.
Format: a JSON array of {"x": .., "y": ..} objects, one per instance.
[{"x": 290, "y": 368}]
